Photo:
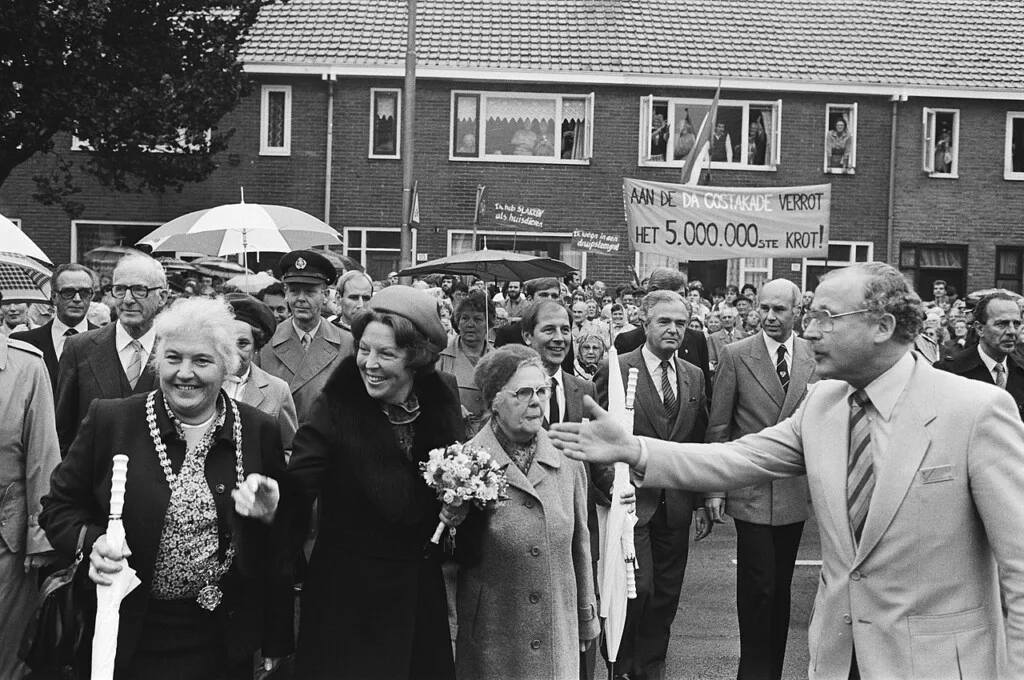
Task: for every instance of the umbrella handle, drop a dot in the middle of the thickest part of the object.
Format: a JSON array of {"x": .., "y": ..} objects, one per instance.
[{"x": 631, "y": 579}]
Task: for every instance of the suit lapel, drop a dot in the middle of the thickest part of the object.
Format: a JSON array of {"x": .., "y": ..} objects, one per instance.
[
  {"x": 832, "y": 454},
  {"x": 322, "y": 351},
  {"x": 254, "y": 391},
  {"x": 763, "y": 369},
  {"x": 513, "y": 474},
  {"x": 288, "y": 349},
  {"x": 573, "y": 400},
  {"x": 907, "y": 447},
  {"x": 646, "y": 402},
  {"x": 801, "y": 372},
  {"x": 546, "y": 457},
  {"x": 106, "y": 365}
]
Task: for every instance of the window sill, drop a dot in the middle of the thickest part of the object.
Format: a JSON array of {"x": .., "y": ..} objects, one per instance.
[
  {"x": 377, "y": 157},
  {"x": 521, "y": 160},
  {"x": 714, "y": 166},
  {"x": 840, "y": 171},
  {"x": 275, "y": 152},
  {"x": 1013, "y": 176},
  {"x": 943, "y": 175}
]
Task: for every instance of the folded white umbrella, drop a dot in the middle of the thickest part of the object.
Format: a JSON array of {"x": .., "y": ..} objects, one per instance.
[{"x": 14, "y": 240}]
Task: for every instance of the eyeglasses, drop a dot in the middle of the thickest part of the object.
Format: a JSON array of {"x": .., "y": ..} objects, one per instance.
[
  {"x": 825, "y": 319},
  {"x": 525, "y": 394},
  {"x": 70, "y": 293},
  {"x": 138, "y": 292}
]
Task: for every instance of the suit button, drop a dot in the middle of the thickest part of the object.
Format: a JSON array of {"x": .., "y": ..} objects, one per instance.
[
  {"x": 535, "y": 551},
  {"x": 535, "y": 644},
  {"x": 847, "y": 618},
  {"x": 529, "y": 504},
  {"x": 855, "y": 576},
  {"x": 534, "y": 598},
  {"x": 220, "y": 488}
]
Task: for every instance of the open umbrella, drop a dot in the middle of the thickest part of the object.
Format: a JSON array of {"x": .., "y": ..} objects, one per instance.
[
  {"x": 102, "y": 260},
  {"x": 242, "y": 228},
  {"x": 618, "y": 557},
  {"x": 499, "y": 265},
  {"x": 342, "y": 263},
  {"x": 173, "y": 265},
  {"x": 217, "y": 266},
  {"x": 108, "y": 598},
  {"x": 22, "y": 279},
  {"x": 14, "y": 240},
  {"x": 251, "y": 284}
]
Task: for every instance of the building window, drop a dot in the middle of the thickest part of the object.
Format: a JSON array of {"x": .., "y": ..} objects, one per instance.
[
  {"x": 276, "y": 120},
  {"x": 840, "y": 138},
  {"x": 756, "y": 271},
  {"x": 553, "y": 245},
  {"x": 518, "y": 127},
  {"x": 924, "y": 264},
  {"x": 385, "y": 129},
  {"x": 840, "y": 254},
  {"x": 1014, "y": 163},
  {"x": 89, "y": 234},
  {"x": 378, "y": 250},
  {"x": 941, "y": 142},
  {"x": 747, "y": 135},
  {"x": 1009, "y": 261}
]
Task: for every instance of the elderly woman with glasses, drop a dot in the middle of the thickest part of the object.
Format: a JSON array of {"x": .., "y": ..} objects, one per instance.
[
  {"x": 206, "y": 566},
  {"x": 526, "y": 603}
]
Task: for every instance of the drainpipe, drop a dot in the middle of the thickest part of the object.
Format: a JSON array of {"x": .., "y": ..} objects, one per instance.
[
  {"x": 890, "y": 224},
  {"x": 329, "y": 78}
]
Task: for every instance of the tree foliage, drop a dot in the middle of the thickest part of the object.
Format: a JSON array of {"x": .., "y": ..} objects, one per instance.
[{"x": 145, "y": 82}]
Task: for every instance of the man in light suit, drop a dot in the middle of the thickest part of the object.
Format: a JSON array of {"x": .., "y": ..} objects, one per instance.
[
  {"x": 305, "y": 350},
  {"x": 759, "y": 382},
  {"x": 917, "y": 477},
  {"x": 727, "y": 334},
  {"x": 670, "y": 405},
  {"x": 78, "y": 282},
  {"x": 112, "y": 362}
]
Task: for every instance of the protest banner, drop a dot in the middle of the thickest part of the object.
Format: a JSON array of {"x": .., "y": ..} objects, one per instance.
[
  {"x": 595, "y": 242},
  {"x": 717, "y": 223}
]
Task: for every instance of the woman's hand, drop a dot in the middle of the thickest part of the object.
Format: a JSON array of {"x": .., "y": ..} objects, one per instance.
[
  {"x": 452, "y": 515},
  {"x": 257, "y": 498},
  {"x": 104, "y": 560}
]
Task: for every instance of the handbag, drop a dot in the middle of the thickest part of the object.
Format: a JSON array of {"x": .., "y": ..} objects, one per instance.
[{"x": 54, "y": 636}]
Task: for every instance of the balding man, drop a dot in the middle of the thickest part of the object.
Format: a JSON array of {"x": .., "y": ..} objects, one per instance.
[
  {"x": 760, "y": 381},
  {"x": 354, "y": 292},
  {"x": 917, "y": 477}
]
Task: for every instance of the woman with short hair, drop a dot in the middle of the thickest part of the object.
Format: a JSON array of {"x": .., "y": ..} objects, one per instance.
[{"x": 474, "y": 318}]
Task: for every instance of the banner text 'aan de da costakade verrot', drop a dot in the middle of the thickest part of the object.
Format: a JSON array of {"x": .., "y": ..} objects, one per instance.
[{"x": 717, "y": 223}]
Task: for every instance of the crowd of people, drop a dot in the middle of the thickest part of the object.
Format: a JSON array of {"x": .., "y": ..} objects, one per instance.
[{"x": 275, "y": 443}]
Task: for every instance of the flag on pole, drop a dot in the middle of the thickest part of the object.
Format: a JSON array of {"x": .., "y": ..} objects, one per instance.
[
  {"x": 700, "y": 154},
  {"x": 414, "y": 211}
]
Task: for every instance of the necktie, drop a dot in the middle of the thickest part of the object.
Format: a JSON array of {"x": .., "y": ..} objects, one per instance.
[
  {"x": 668, "y": 395},
  {"x": 553, "y": 403},
  {"x": 134, "y": 369},
  {"x": 860, "y": 480},
  {"x": 306, "y": 341},
  {"x": 780, "y": 368},
  {"x": 69, "y": 332},
  {"x": 1000, "y": 376}
]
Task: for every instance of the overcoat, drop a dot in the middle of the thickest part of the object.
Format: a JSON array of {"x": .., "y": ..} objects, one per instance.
[
  {"x": 373, "y": 601},
  {"x": 526, "y": 598}
]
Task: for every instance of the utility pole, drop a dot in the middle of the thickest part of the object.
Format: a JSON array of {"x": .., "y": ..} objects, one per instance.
[{"x": 408, "y": 119}]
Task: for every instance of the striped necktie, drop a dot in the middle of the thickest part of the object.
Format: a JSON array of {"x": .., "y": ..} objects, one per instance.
[
  {"x": 668, "y": 395},
  {"x": 780, "y": 368},
  {"x": 134, "y": 369},
  {"x": 860, "y": 480},
  {"x": 1000, "y": 376}
]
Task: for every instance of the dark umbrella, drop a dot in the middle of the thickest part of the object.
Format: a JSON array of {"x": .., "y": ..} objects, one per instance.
[
  {"x": 176, "y": 266},
  {"x": 499, "y": 265},
  {"x": 215, "y": 266},
  {"x": 342, "y": 263},
  {"x": 103, "y": 259}
]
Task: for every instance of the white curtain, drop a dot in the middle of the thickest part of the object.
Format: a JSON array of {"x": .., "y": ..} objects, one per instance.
[{"x": 766, "y": 121}]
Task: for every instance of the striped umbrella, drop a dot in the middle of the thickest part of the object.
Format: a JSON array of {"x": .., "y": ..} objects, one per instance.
[
  {"x": 242, "y": 228},
  {"x": 14, "y": 240},
  {"x": 22, "y": 279},
  {"x": 175, "y": 266}
]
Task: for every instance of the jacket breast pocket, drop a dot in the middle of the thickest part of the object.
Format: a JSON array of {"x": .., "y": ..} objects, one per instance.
[{"x": 13, "y": 516}]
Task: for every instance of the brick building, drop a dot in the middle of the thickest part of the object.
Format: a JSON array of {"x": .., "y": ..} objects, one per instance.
[{"x": 548, "y": 106}]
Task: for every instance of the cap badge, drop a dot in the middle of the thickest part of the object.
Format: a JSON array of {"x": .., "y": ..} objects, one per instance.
[{"x": 300, "y": 263}]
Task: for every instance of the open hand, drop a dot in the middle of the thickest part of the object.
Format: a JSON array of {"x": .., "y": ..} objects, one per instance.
[
  {"x": 105, "y": 560},
  {"x": 257, "y": 498},
  {"x": 602, "y": 440}
]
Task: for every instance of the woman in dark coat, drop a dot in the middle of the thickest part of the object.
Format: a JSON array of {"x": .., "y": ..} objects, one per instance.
[
  {"x": 212, "y": 579},
  {"x": 373, "y": 603}
]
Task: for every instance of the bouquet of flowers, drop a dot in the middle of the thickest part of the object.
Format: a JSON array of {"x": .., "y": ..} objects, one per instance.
[{"x": 461, "y": 474}]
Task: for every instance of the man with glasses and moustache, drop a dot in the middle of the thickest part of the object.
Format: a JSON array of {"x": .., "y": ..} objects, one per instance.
[
  {"x": 74, "y": 287},
  {"x": 112, "y": 362},
  {"x": 916, "y": 476}
]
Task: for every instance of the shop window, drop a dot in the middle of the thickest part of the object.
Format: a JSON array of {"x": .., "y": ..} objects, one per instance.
[
  {"x": 840, "y": 254},
  {"x": 385, "y": 118},
  {"x": 747, "y": 135},
  {"x": 840, "y": 138},
  {"x": 1014, "y": 164},
  {"x": 522, "y": 127},
  {"x": 1009, "y": 260},
  {"x": 940, "y": 145}
]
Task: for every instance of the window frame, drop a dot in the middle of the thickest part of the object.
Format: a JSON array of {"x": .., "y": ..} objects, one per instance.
[
  {"x": 647, "y": 114},
  {"x": 76, "y": 224},
  {"x": 852, "y": 129},
  {"x": 567, "y": 235},
  {"x": 929, "y": 121},
  {"x": 483, "y": 95},
  {"x": 359, "y": 253},
  {"x": 744, "y": 268},
  {"x": 286, "y": 148},
  {"x": 1018, "y": 279},
  {"x": 398, "y": 122},
  {"x": 1008, "y": 172},
  {"x": 829, "y": 263}
]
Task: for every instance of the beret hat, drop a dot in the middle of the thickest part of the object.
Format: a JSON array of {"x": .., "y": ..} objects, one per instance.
[
  {"x": 418, "y": 306},
  {"x": 255, "y": 313}
]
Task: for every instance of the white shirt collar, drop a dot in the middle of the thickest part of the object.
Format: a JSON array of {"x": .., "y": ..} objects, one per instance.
[
  {"x": 652, "y": 362},
  {"x": 122, "y": 339},
  {"x": 557, "y": 377},
  {"x": 773, "y": 347},
  {"x": 299, "y": 331},
  {"x": 885, "y": 390},
  {"x": 59, "y": 328},
  {"x": 990, "y": 363}
]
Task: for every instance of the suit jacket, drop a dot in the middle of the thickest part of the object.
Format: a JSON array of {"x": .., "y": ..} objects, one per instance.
[
  {"x": 306, "y": 372},
  {"x": 749, "y": 398},
  {"x": 718, "y": 340},
  {"x": 575, "y": 388},
  {"x": 272, "y": 396},
  {"x": 694, "y": 349},
  {"x": 90, "y": 369},
  {"x": 650, "y": 420},
  {"x": 41, "y": 337},
  {"x": 968, "y": 363},
  {"x": 80, "y": 496},
  {"x": 919, "y": 595}
]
